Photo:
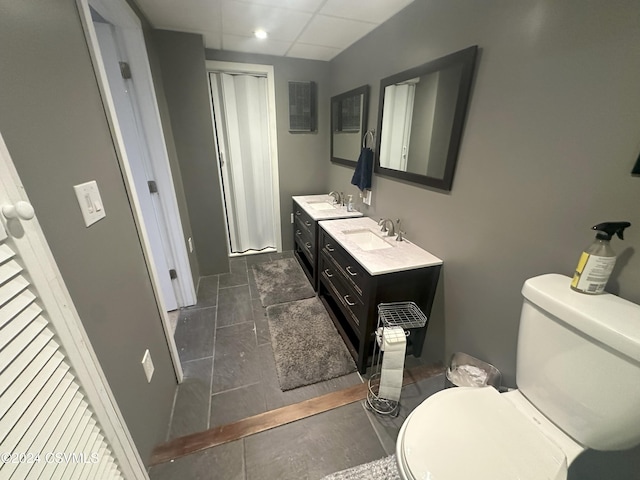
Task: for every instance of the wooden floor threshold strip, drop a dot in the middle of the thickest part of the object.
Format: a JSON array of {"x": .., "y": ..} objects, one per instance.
[{"x": 213, "y": 437}]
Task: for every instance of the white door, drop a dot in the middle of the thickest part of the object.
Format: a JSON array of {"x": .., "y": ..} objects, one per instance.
[
  {"x": 58, "y": 418},
  {"x": 146, "y": 118},
  {"x": 123, "y": 93}
]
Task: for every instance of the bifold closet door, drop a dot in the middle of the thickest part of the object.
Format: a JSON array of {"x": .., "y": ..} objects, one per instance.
[
  {"x": 242, "y": 130},
  {"x": 48, "y": 428}
]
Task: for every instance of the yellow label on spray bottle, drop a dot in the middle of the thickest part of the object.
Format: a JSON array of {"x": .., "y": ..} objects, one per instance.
[{"x": 592, "y": 273}]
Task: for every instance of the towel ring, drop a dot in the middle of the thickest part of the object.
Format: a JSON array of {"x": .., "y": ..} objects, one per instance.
[{"x": 369, "y": 134}]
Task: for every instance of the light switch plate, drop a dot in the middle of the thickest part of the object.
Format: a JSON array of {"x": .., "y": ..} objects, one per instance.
[
  {"x": 366, "y": 197},
  {"x": 147, "y": 364},
  {"x": 90, "y": 202}
]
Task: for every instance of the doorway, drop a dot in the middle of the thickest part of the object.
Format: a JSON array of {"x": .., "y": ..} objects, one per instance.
[
  {"x": 243, "y": 111},
  {"x": 115, "y": 40}
]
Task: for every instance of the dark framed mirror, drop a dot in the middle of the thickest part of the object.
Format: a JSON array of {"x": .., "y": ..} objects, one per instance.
[
  {"x": 421, "y": 116},
  {"x": 349, "y": 113}
]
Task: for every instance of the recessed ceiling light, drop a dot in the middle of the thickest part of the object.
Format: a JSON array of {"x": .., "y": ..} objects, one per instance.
[{"x": 261, "y": 34}]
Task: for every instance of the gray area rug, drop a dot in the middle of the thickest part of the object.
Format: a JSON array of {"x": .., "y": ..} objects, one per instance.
[
  {"x": 383, "y": 469},
  {"x": 306, "y": 345},
  {"x": 281, "y": 281}
]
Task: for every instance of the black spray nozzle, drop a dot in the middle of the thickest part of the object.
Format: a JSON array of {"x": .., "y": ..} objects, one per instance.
[{"x": 607, "y": 229}]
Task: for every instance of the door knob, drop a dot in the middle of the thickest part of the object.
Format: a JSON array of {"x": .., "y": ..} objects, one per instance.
[{"x": 21, "y": 209}]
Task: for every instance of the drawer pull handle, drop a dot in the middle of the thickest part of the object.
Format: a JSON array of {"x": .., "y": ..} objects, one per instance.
[
  {"x": 298, "y": 213},
  {"x": 327, "y": 273},
  {"x": 328, "y": 247},
  {"x": 298, "y": 232},
  {"x": 348, "y": 269},
  {"x": 307, "y": 223},
  {"x": 348, "y": 302},
  {"x": 308, "y": 245}
]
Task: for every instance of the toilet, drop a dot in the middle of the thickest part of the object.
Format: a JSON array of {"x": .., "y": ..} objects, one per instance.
[{"x": 578, "y": 378}]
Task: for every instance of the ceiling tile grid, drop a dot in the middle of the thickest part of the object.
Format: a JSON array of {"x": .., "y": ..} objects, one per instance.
[{"x": 311, "y": 29}]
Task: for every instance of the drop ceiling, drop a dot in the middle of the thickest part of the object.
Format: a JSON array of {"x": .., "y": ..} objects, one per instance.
[{"x": 312, "y": 29}]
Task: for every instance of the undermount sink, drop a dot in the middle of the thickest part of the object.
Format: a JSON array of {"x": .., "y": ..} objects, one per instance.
[
  {"x": 366, "y": 239},
  {"x": 321, "y": 205}
]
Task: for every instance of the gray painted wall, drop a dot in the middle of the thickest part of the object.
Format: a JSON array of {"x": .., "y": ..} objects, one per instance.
[
  {"x": 550, "y": 140},
  {"x": 178, "y": 183},
  {"x": 54, "y": 124},
  {"x": 182, "y": 66},
  {"x": 302, "y": 157}
]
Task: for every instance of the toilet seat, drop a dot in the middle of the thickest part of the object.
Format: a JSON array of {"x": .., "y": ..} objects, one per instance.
[{"x": 445, "y": 438}]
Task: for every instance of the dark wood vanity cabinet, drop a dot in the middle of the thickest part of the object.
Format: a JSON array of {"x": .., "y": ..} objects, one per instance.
[
  {"x": 305, "y": 236},
  {"x": 305, "y": 233},
  {"x": 351, "y": 296}
]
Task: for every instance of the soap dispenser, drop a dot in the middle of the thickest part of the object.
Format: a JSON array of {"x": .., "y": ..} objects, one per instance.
[{"x": 350, "y": 207}]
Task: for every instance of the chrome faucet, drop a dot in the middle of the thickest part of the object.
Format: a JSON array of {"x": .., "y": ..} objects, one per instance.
[
  {"x": 337, "y": 197},
  {"x": 387, "y": 226}
]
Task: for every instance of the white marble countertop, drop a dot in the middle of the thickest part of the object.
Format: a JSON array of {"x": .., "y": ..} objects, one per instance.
[
  {"x": 306, "y": 202},
  {"x": 398, "y": 257}
]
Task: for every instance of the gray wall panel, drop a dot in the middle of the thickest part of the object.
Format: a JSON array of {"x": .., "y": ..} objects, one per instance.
[
  {"x": 303, "y": 158},
  {"x": 550, "y": 140},
  {"x": 178, "y": 183},
  {"x": 182, "y": 63},
  {"x": 54, "y": 124}
]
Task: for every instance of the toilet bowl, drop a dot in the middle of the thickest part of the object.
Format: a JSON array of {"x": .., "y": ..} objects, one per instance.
[
  {"x": 478, "y": 433},
  {"x": 578, "y": 373}
]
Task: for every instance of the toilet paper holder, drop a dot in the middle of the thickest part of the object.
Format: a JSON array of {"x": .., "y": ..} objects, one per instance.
[{"x": 391, "y": 316}]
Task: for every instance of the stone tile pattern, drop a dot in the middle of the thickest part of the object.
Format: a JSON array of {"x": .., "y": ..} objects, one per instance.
[{"x": 230, "y": 374}]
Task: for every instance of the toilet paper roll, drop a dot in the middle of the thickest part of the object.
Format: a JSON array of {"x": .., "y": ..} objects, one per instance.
[{"x": 395, "y": 346}]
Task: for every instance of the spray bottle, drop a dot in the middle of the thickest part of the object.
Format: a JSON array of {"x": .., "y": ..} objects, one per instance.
[{"x": 597, "y": 261}]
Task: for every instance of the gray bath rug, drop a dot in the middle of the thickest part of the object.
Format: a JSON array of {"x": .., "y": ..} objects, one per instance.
[
  {"x": 306, "y": 345},
  {"x": 281, "y": 281},
  {"x": 383, "y": 469}
]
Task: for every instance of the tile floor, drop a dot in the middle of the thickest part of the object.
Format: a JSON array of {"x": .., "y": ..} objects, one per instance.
[{"x": 230, "y": 374}]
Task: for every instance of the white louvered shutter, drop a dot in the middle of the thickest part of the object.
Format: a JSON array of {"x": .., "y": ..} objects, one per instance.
[
  {"x": 43, "y": 411},
  {"x": 49, "y": 417}
]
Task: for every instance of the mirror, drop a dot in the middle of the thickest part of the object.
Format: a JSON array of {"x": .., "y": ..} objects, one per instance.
[
  {"x": 349, "y": 113},
  {"x": 420, "y": 119}
]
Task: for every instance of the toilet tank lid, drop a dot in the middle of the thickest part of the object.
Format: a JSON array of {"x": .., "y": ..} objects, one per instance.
[{"x": 606, "y": 318}]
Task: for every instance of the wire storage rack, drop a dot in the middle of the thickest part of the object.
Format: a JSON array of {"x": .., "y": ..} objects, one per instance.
[{"x": 397, "y": 314}]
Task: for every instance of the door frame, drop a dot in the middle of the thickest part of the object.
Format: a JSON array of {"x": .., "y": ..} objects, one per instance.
[
  {"x": 214, "y": 66},
  {"x": 46, "y": 278},
  {"x": 120, "y": 13}
]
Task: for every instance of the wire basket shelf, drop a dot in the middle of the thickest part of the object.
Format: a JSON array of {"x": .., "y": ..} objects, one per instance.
[
  {"x": 397, "y": 314},
  {"x": 401, "y": 314}
]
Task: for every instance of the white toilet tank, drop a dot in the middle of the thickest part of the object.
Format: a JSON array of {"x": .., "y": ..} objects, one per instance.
[{"x": 579, "y": 362}]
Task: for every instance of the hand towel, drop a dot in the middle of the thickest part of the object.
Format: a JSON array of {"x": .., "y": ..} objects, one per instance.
[{"x": 364, "y": 168}]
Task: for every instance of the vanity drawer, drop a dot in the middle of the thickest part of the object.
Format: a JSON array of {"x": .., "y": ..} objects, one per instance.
[
  {"x": 349, "y": 301},
  {"x": 351, "y": 270},
  {"x": 306, "y": 222},
  {"x": 303, "y": 233},
  {"x": 304, "y": 241}
]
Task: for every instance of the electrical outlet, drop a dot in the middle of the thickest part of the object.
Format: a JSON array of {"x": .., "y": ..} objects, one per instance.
[
  {"x": 291, "y": 217},
  {"x": 190, "y": 242},
  {"x": 147, "y": 364}
]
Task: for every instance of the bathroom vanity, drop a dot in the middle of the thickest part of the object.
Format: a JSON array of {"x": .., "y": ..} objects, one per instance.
[
  {"x": 307, "y": 212},
  {"x": 359, "y": 268}
]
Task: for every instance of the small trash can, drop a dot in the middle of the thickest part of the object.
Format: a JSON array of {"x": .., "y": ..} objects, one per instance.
[{"x": 467, "y": 371}]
